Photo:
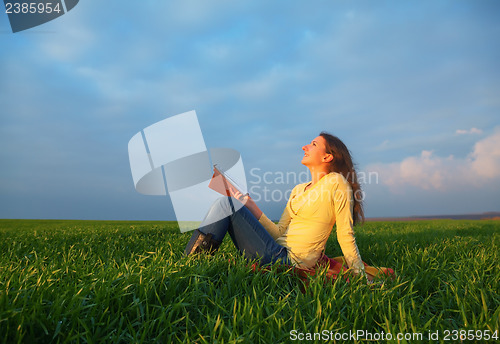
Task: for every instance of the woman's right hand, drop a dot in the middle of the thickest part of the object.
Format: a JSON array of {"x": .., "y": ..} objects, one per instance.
[
  {"x": 248, "y": 202},
  {"x": 243, "y": 198}
]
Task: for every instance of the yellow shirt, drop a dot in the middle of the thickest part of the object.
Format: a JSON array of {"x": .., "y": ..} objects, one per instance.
[{"x": 308, "y": 219}]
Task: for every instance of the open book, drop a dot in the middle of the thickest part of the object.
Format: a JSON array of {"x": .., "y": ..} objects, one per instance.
[{"x": 224, "y": 184}]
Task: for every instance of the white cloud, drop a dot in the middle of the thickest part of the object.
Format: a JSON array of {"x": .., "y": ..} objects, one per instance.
[
  {"x": 486, "y": 157},
  {"x": 431, "y": 172},
  {"x": 470, "y": 131}
]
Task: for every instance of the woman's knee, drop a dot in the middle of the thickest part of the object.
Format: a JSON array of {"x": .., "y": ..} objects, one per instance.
[
  {"x": 225, "y": 206},
  {"x": 221, "y": 207},
  {"x": 228, "y": 202},
  {"x": 222, "y": 202}
]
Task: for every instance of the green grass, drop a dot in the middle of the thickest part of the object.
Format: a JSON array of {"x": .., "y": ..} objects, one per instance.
[{"x": 122, "y": 282}]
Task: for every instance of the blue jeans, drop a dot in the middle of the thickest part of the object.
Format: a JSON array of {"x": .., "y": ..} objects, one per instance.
[{"x": 248, "y": 235}]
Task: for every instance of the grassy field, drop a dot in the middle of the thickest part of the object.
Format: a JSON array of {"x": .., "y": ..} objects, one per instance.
[{"x": 122, "y": 282}]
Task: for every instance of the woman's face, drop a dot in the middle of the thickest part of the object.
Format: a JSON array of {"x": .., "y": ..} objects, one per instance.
[{"x": 315, "y": 153}]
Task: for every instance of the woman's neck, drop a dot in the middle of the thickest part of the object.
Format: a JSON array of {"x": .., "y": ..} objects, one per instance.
[{"x": 317, "y": 174}]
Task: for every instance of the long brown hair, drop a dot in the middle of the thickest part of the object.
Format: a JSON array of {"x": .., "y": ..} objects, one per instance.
[{"x": 342, "y": 163}]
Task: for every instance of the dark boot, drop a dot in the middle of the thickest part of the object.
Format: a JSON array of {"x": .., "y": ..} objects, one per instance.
[{"x": 200, "y": 242}]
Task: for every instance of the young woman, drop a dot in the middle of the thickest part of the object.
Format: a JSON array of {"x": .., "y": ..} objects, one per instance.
[{"x": 333, "y": 196}]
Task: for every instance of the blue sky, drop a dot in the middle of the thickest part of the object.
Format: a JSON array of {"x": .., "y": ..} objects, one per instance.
[{"x": 412, "y": 88}]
